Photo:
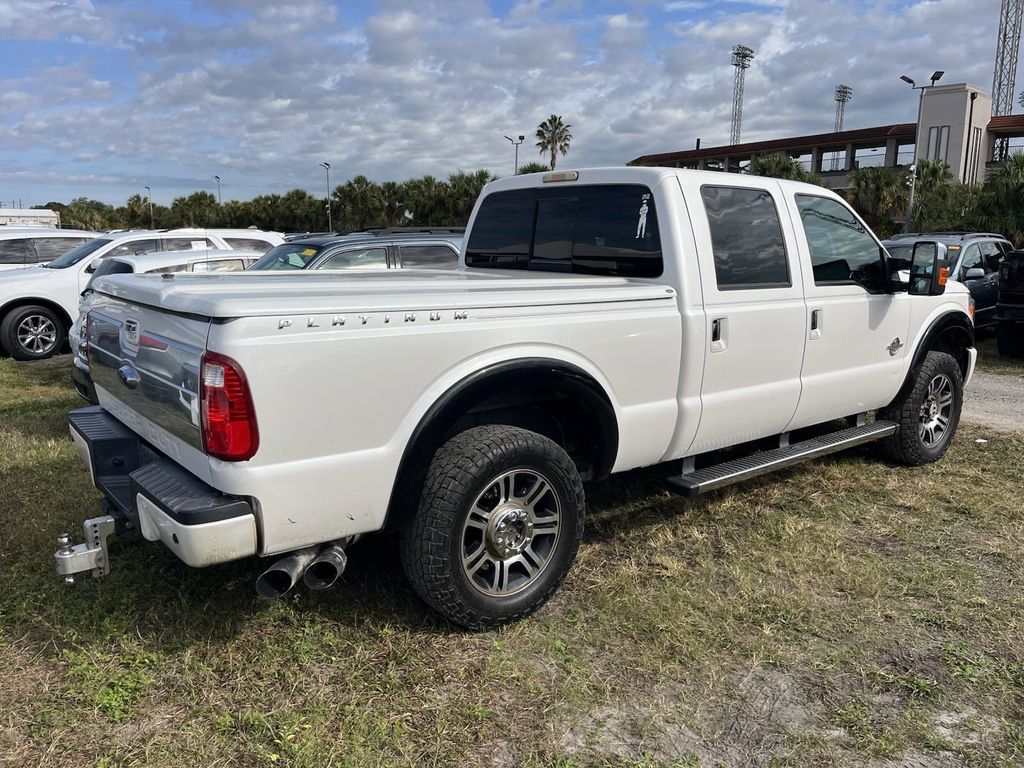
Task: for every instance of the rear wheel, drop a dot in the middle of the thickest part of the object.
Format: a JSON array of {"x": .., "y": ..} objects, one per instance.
[
  {"x": 1010, "y": 340},
  {"x": 928, "y": 414},
  {"x": 32, "y": 333},
  {"x": 498, "y": 526}
]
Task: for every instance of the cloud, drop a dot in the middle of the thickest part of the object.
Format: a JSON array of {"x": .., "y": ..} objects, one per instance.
[{"x": 261, "y": 93}]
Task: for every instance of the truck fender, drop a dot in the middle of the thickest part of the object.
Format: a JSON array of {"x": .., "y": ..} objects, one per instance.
[
  {"x": 502, "y": 379},
  {"x": 949, "y": 331}
]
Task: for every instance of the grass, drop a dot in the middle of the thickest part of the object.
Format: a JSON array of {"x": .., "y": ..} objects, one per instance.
[{"x": 845, "y": 612}]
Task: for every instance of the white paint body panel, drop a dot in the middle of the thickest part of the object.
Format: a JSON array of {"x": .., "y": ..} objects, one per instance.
[
  {"x": 343, "y": 367},
  {"x": 198, "y": 545}
]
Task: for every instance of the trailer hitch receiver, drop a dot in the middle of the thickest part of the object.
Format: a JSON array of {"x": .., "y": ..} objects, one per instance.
[{"x": 90, "y": 556}]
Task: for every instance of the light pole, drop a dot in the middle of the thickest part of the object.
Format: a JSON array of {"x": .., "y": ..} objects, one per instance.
[
  {"x": 149, "y": 197},
  {"x": 217, "y": 179},
  {"x": 917, "y": 139},
  {"x": 327, "y": 168},
  {"x": 515, "y": 167}
]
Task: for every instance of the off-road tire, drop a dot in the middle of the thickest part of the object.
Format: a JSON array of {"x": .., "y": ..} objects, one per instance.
[
  {"x": 14, "y": 319},
  {"x": 906, "y": 446},
  {"x": 431, "y": 546},
  {"x": 1010, "y": 340}
]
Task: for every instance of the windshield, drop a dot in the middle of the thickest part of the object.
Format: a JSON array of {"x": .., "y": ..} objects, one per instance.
[
  {"x": 78, "y": 253},
  {"x": 108, "y": 267},
  {"x": 288, "y": 256}
]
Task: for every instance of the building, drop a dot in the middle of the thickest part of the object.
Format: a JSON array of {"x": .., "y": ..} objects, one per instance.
[
  {"x": 29, "y": 217},
  {"x": 956, "y": 126}
]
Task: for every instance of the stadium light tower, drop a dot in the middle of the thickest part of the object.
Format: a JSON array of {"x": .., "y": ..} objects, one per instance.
[
  {"x": 741, "y": 56},
  {"x": 1005, "y": 72},
  {"x": 843, "y": 95}
]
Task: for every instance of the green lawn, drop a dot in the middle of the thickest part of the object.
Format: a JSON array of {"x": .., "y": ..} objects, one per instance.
[{"x": 846, "y": 612}]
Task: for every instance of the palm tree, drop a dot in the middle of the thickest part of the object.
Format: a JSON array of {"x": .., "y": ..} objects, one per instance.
[
  {"x": 393, "y": 203},
  {"x": 879, "y": 194},
  {"x": 425, "y": 197},
  {"x": 553, "y": 136},
  {"x": 360, "y": 202},
  {"x": 777, "y": 165},
  {"x": 1001, "y": 200},
  {"x": 534, "y": 167},
  {"x": 463, "y": 190}
]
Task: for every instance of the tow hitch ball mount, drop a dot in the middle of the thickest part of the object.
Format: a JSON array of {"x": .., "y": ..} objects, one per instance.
[{"x": 90, "y": 556}]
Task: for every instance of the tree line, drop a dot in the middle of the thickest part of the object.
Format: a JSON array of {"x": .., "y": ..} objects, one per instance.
[
  {"x": 881, "y": 195},
  {"x": 357, "y": 204}
]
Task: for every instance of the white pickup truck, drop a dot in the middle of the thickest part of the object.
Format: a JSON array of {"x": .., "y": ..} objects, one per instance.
[{"x": 601, "y": 320}]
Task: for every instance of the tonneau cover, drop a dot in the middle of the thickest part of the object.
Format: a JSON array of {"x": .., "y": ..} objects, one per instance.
[{"x": 255, "y": 294}]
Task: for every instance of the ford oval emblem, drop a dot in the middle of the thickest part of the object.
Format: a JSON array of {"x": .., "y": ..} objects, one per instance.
[{"x": 129, "y": 376}]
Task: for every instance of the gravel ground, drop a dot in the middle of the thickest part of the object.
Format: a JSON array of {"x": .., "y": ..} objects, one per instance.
[{"x": 996, "y": 401}]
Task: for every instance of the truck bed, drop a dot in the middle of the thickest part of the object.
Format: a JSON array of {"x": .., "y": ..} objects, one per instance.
[{"x": 261, "y": 294}]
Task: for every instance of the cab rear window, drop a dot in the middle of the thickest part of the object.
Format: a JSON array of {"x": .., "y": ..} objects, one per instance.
[{"x": 599, "y": 230}]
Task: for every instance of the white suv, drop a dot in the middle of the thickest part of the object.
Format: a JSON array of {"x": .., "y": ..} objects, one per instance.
[
  {"x": 38, "y": 304},
  {"x": 29, "y": 246}
]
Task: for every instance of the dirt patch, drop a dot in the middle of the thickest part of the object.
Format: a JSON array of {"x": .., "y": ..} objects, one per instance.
[
  {"x": 994, "y": 400},
  {"x": 742, "y": 724}
]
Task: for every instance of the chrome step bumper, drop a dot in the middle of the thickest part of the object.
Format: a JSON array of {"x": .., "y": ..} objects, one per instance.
[{"x": 737, "y": 470}]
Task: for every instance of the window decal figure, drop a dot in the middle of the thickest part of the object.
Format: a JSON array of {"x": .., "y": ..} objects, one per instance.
[{"x": 641, "y": 225}]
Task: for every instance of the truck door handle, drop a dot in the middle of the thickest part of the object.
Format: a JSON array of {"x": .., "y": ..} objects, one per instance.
[
  {"x": 719, "y": 334},
  {"x": 815, "y": 324}
]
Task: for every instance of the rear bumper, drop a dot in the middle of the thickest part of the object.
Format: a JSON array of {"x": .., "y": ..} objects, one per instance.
[
  {"x": 83, "y": 381},
  {"x": 166, "y": 503}
]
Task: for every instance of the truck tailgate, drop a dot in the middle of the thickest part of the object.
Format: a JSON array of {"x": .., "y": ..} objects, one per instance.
[{"x": 145, "y": 365}]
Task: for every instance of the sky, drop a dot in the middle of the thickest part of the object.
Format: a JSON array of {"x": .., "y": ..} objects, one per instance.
[{"x": 100, "y": 99}]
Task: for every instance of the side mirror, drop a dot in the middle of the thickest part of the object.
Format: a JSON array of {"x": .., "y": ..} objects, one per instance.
[
  {"x": 91, "y": 268},
  {"x": 974, "y": 273},
  {"x": 929, "y": 269}
]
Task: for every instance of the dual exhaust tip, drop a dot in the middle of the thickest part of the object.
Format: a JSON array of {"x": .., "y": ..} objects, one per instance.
[{"x": 318, "y": 567}]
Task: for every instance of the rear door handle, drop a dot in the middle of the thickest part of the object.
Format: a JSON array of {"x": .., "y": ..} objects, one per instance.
[
  {"x": 719, "y": 334},
  {"x": 815, "y": 324}
]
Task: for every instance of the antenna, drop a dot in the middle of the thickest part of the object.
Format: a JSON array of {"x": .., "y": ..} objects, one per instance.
[
  {"x": 741, "y": 56},
  {"x": 1004, "y": 74},
  {"x": 843, "y": 94}
]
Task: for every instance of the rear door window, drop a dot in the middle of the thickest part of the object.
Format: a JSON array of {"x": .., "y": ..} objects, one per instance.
[
  {"x": 248, "y": 244},
  {"x": 188, "y": 243},
  {"x": 134, "y": 247},
  {"x": 428, "y": 256},
  {"x": 16, "y": 252},
  {"x": 49, "y": 248},
  {"x": 599, "y": 229},
  {"x": 358, "y": 258},
  {"x": 746, "y": 237}
]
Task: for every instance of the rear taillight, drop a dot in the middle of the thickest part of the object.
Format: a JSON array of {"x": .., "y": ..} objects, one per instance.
[
  {"x": 83, "y": 338},
  {"x": 229, "y": 421}
]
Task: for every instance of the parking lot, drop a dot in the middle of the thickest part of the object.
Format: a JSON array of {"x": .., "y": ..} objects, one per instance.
[{"x": 848, "y": 612}]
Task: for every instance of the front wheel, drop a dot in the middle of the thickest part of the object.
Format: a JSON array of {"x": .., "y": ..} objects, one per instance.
[
  {"x": 498, "y": 526},
  {"x": 32, "y": 333},
  {"x": 928, "y": 414}
]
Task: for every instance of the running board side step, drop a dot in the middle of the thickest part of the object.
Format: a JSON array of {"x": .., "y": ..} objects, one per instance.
[{"x": 737, "y": 470}]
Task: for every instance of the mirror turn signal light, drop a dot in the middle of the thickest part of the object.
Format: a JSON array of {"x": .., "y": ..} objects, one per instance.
[{"x": 943, "y": 275}]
